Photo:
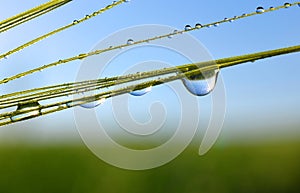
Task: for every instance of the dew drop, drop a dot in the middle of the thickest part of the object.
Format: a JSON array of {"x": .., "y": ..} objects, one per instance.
[
  {"x": 287, "y": 5},
  {"x": 201, "y": 85},
  {"x": 177, "y": 32},
  {"x": 87, "y": 16},
  {"x": 33, "y": 106},
  {"x": 141, "y": 92},
  {"x": 198, "y": 26},
  {"x": 187, "y": 28},
  {"x": 271, "y": 8},
  {"x": 82, "y": 56},
  {"x": 109, "y": 7},
  {"x": 260, "y": 10},
  {"x": 216, "y": 24},
  {"x": 75, "y": 22},
  {"x": 298, "y": 4},
  {"x": 126, "y": 1},
  {"x": 130, "y": 41},
  {"x": 93, "y": 104}
]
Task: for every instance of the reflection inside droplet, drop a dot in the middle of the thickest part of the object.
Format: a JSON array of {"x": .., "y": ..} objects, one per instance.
[
  {"x": 201, "y": 84},
  {"x": 141, "y": 92},
  {"x": 33, "y": 107},
  {"x": 93, "y": 104}
]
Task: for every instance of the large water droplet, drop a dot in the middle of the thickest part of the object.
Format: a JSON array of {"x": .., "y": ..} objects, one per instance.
[
  {"x": 130, "y": 41},
  {"x": 202, "y": 84},
  {"x": 260, "y": 10},
  {"x": 32, "y": 106},
  {"x": 141, "y": 92},
  {"x": 187, "y": 28},
  {"x": 93, "y": 104}
]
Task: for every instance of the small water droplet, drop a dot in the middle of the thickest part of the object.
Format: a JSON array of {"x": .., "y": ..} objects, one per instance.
[
  {"x": 260, "y": 10},
  {"x": 244, "y": 15},
  {"x": 187, "y": 28},
  {"x": 6, "y": 57},
  {"x": 114, "y": 2},
  {"x": 271, "y": 8},
  {"x": 126, "y": 1},
  {"x": 87, "y": 16},
  {"x": 201, "y": 85},
  {"x": 82, "y": 56},
  {"x": 298, "y": 4},
  {"x": 93, "y": 104},
  {"x": 130, "y": 41},
  {"x": 141, "y": 92},
  {"x": 5, "y": 80},
  {"x": 108, "y": 7},
  {"x": 198, "y": 26},
  {"x": 287, "y": 5},
  {"x": 34, "y": 108},
  {"x": 75, "y": 22},
  {"x": 231, "y": 19},
  {"x": 216, "y": 24}
]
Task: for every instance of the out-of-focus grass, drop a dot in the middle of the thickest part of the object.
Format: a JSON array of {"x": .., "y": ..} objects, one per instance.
[{"x": 272, "y": 167}]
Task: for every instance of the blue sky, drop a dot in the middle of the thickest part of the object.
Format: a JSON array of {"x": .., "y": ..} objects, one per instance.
[{"x": 262, "y": 97}]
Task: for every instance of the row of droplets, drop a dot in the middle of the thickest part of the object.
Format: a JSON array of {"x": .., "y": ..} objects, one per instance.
[
  {"x": 198, "y": 25},
  {"x": 198, "y": 85},
  {"x": 131, "y": 41}
]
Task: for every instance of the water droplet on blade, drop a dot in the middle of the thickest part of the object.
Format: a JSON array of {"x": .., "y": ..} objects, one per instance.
[
  {"x": 130, "y": 41},
  {"x": 141, "y": 92},
  {"x": 33, "y": 108},
  {"x": 202, "y": 84},
  {"x": 198, "y": 26},
  {"x": 187, "y": 28},
  {"x": 287, "y": 5},
  {"x": 93, "y": 104},
  {"x": 260, "y": 10}
]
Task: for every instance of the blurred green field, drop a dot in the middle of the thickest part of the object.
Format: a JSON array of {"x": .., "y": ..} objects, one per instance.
[{"x": 272, "y": 167}]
